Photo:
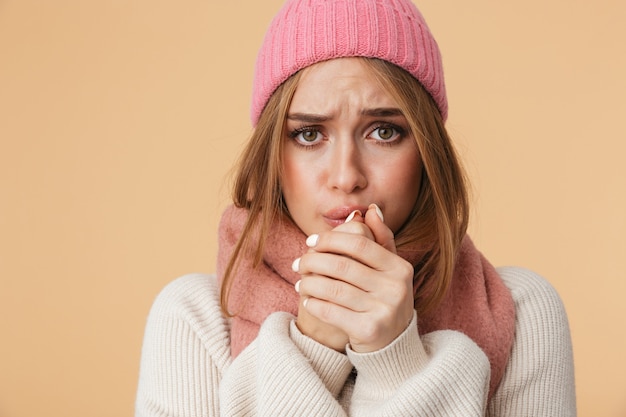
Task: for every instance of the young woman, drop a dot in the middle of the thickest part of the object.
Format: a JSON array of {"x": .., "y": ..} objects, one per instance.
[{"x": 346, "y": 284}]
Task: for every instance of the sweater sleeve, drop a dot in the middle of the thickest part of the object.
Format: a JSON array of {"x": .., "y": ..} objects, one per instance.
[
  {"x": 443, "y": 373},
  {"x": 539, "y": 378},
  {"x": 186, "y": 369},
  {"x": 185, "y": 351},
  {"x": 273, "y": 376}
]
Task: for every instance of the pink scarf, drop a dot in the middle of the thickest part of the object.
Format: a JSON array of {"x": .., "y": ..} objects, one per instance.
[{"x": 477, "y": 302}]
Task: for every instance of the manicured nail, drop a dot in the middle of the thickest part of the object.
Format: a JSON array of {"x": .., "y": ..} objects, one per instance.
[
  {"x": 311, "y": 241},
  {"x": 297, "y": 286},
  {"x": 305, "y": 301},
  {"x": 295, "y": 266},
  {"x": 351, "y": 215},
  {"x": 378, "y": 211}
]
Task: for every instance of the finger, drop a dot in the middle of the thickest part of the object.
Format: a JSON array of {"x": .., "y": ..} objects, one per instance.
[
  {"x": 356, "y": 216},
  {"x": 382, "y": 234},
  {"x": 336, "y": 267},
  {"x": 335, "y": 291},
  {"x": 330, "y": 313},
  {"x": 352, "y": 245},
  {"x": 351, "y": 283},
  {"x": 366, "y": 333},
  {"x": 355, "y": 224},
  {"x": 320, "y": 331}
]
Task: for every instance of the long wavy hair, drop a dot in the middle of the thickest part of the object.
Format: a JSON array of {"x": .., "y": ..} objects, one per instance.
[{"x": 438, "y": 221}]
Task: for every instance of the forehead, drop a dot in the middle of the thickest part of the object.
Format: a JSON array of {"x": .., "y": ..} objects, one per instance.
[{"x": 339, "y": 82}]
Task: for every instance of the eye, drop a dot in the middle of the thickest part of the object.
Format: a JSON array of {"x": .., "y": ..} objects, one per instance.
[
  {"x": 386, "y": 133},
  {"x": 306, "y": 136}
]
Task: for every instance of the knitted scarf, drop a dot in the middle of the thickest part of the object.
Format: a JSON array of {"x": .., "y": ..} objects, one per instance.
[{"x": 477, "y": 302}]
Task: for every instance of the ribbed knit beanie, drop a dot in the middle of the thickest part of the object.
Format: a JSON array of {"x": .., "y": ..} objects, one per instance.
[{"x": 305, "y": 32}]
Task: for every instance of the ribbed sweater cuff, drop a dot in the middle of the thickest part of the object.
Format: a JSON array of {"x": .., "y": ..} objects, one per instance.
[
  {"x": 383, "y": 371},
  {"x": 332, "y": 367}
]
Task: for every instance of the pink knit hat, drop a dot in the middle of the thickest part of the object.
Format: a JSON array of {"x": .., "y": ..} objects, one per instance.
[{"x": 308, "y": 31}]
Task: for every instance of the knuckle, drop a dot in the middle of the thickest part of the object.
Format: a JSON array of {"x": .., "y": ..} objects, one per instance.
[
  {"x": 400, "y": 291},
  {"x": 404, "y": 287},
  {"x": 406, "y": 270},
  {"x": 324, "y": 311},
  {"x": 401, "y": 300},
  {"x": 335, "y": 291},
  {"x": 361, "y": 244},
  {"x": 342, "y": 265}
]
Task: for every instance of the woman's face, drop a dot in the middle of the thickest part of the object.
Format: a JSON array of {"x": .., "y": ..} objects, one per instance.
[{"x": 346, "y": 145}]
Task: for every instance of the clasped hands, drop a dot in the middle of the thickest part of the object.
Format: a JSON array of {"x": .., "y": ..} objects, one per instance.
[{"x": 354, "y": 289}]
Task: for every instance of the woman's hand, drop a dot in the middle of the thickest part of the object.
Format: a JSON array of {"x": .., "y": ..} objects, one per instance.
[
  {"x": 312, "y": 326},
  {"x": 354, "y": 286}
]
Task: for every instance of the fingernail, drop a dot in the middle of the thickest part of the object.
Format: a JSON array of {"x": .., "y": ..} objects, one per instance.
[
  {"x": 311, "y": 241},
  {"x": 295, "y": 266},
  {"x": 305, "y": 301},
  {"x": 297, "y": 286},
  {"x": 378, "y": 211},
  {"x": 351, "y": 215}
]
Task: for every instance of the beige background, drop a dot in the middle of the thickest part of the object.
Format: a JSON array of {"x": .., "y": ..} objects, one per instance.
[{"x": 120, "y": 119}]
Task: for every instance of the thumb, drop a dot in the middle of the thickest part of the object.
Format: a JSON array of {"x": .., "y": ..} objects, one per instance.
[{"x": 382, "y": 234}]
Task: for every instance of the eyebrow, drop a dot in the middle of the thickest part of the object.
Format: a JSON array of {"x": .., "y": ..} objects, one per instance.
[
  {"x": 307, "y": 117},
  {"x": 318, "y": 118},
  {"x": 382, "y": 112}
]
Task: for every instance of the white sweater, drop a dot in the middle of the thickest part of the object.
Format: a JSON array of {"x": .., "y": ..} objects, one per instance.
[{"x": 186, "y": 369}]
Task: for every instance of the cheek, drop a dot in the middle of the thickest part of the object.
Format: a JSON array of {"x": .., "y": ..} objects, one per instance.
[
  {"x": 290, "y": 175},
  {"x": 296, "y": 179},
  {"x": 401, "y": 174},
  {"x": 411, "y": 174},
  {"x": 400, "y": 182}
]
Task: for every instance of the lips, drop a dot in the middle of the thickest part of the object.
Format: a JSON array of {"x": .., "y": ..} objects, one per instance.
[{"x": 337, "y": 215}]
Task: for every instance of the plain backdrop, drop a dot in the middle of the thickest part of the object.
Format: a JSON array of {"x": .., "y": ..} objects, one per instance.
[{"x": 120, "y": 120}]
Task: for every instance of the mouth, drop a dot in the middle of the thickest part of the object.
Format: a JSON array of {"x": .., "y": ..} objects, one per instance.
[{"x": 336, "y": 216}]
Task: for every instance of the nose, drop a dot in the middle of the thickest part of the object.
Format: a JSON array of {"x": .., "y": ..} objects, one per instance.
[{"x": 347, "y": 168}]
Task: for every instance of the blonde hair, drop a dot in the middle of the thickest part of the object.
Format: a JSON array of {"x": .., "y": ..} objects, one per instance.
[{"x": 438, "y": 221}]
